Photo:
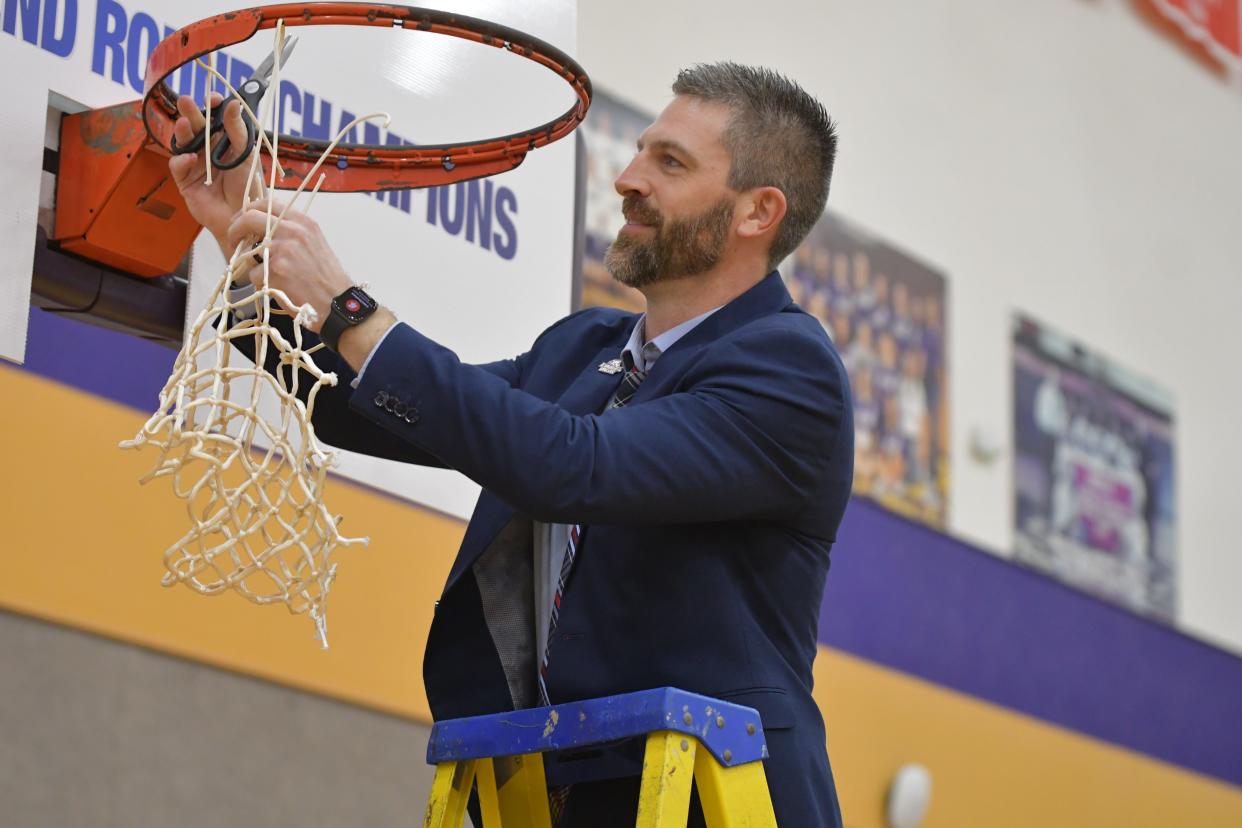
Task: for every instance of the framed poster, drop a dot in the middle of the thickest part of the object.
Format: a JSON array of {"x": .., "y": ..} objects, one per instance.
[
  {"x": 1093, "y": 472},
  {"x": 885, "y": 311}
]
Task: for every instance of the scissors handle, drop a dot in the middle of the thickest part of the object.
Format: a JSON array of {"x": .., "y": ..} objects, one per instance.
[
  {"x": 251, "y": 92},
  {"x": 225, "y": 145}
]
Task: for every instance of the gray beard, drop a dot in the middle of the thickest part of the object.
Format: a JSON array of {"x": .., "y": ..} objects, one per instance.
[
  {"x": 680, "y": 248},
  {"x": 632, "y": 264}
]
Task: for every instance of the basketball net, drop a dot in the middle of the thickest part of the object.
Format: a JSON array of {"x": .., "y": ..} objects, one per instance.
[{"x": 258, "y": 523}]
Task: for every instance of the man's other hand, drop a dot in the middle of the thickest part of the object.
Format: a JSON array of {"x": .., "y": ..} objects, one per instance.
[
  {"x": 212, "y": 206},
  {"x": 299, "y": 260}
]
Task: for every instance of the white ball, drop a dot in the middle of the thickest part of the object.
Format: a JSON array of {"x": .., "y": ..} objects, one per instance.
[{"x": 908, "y": 796}]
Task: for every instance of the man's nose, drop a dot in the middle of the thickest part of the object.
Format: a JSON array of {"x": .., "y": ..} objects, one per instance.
[{"x": 631, "y": 181}]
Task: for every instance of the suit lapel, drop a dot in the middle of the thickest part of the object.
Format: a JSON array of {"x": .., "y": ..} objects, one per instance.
[
  {"x": 587, "y": 394},
  {"x": 593, "y": 387},
  {"x": 768, "y": 296}
]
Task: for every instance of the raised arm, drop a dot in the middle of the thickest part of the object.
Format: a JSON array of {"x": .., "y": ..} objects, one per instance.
[{"x": 751, "y": 436}]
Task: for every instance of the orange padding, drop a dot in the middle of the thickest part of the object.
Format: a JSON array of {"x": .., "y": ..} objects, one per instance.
[{"x": 115, "y": 201}]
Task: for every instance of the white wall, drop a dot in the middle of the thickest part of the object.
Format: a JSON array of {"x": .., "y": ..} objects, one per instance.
[{"x": 1059, "y": 157}]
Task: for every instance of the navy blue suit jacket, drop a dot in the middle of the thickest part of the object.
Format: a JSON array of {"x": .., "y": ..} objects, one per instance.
[{"x": 712, "y": 501}]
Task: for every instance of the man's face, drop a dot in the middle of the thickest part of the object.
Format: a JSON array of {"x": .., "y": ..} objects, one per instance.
[{"x": 675, "y": 197}]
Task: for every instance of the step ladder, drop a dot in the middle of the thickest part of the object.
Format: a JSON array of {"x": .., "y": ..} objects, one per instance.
[{"x": 720, "y": 746}]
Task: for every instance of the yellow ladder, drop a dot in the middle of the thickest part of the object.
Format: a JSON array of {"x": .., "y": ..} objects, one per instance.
[{"x": 719, "y": 746}]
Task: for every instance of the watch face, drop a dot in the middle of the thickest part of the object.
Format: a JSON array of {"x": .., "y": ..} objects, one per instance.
[{"x": 356, "y": 305}]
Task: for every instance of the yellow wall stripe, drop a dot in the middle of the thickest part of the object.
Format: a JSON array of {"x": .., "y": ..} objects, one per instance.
[
  {"x": 991, "y": 766},
  {"x": 84, "y": 546}
]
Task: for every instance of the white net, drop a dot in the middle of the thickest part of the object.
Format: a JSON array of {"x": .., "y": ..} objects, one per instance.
[{"x": 253, "y": 485}]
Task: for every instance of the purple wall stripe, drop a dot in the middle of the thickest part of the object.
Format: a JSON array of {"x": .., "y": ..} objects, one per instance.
[
  {"x": 905, "y": 596},
  {"x": 124, "y": 369}
]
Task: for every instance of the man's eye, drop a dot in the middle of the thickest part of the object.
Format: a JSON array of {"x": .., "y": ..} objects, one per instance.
[{"x": 670, "y": 161}]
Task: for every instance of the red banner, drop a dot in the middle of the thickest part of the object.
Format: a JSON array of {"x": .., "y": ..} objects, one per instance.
[{"x": 1216, "y": 24}]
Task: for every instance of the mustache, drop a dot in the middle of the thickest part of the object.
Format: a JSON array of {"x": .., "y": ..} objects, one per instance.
[{"x": 640, "y": 212}]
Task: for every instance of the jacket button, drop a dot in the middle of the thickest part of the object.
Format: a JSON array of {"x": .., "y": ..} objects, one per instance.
[
  {"x": 400, "y": 408},
  {"x": 380, "y": 399},
  {"x": 411, "y": 416}
]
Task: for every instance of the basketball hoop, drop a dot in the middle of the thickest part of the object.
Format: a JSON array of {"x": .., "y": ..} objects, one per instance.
[{"x": 370, "y": 167}]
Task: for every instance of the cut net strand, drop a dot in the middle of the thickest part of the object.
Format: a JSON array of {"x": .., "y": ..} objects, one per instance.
[{"x": 253, "y": 486}]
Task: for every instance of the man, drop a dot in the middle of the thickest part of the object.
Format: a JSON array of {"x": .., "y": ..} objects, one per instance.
[{"x": 684, "y": 509}]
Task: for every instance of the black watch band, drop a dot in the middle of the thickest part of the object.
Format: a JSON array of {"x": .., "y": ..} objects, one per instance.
[{"x": 351, "y": 308}]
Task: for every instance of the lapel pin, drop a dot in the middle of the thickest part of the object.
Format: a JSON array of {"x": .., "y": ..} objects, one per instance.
[{"x": 612, "y": 366}]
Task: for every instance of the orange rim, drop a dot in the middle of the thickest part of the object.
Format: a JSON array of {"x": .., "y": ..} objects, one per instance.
[{"x": 369, "y": 167}]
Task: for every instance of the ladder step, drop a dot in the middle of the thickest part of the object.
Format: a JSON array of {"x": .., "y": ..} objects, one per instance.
[{"x": 731, "y": 733}]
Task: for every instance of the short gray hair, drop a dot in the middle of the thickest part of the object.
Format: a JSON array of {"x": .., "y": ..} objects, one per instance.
[{"x": 779, "y": 136}]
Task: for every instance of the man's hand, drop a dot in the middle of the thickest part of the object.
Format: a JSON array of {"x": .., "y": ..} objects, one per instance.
[
  {"x": 299, "y": 260},
  {"x": 213, "y": 207}
]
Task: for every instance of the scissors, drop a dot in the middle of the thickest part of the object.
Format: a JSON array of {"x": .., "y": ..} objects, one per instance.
[{"x": 251, "y": 92}]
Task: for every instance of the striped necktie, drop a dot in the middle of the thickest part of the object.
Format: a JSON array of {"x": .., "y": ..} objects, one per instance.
[
  {"x": 625, "y": 391},
  {"x": 558, "y": 796}
]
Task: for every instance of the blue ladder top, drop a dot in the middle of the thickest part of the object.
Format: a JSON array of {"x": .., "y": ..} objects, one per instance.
[{"x": 731, "y": 733}]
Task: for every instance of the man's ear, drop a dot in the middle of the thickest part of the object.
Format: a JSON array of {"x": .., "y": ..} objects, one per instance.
[{"x": 762, "y": 211}]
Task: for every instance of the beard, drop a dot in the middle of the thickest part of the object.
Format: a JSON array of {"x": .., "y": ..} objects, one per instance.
[{"x": 679, "y": 247}]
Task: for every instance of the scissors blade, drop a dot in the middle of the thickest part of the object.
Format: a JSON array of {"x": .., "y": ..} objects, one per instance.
[
  {"x": 264, "y": 70},
  {"x": 288, "y": 50}
]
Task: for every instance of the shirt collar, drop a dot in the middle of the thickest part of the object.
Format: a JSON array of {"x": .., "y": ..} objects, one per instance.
[{"x": 643, "y": 357}]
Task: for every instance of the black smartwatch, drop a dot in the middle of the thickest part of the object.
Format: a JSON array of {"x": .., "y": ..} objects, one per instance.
[{"x": 350, "y": 308}]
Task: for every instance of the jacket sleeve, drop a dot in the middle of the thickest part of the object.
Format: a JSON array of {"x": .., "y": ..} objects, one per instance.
[
  {"x": 748, "y": 435},
  {"x": 334, "y": 422}
]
